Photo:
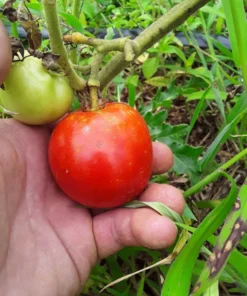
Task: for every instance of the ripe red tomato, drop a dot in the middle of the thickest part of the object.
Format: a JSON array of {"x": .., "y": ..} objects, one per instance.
[{"x": 102, "y": 159}]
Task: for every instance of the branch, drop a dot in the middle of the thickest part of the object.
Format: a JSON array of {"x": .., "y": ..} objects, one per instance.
[
  {"x": 85, "y": 70},
  {"x": 50, "y": 10},
  {"x": 76, "y": 5},
  {"x": 175, "y": 17},
  {"x": 129, "y": 47}
]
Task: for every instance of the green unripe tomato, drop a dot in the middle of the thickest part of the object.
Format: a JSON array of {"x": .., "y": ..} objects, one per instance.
[{"x": 34, "y": 94}]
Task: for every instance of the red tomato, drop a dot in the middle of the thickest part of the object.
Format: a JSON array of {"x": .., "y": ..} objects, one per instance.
[{"x": 102, "y": 159}]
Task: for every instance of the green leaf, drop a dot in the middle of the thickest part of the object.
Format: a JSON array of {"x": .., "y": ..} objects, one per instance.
[
  {"x": 197, "y": 111},
  {"x": 168, "y": 133},
  {"x": 155, "y": 120},
  {"x": 131, "y": 94},
  {"x": 209, "y": 96},
  {"x": 133, "y": 79},
  {"x": 159, "y": 207},
  {"x": 235, "y": 31},
  {"x": 89, "y": 9},
  {"x": 211, "y": 10},
  {"x": 72, "y": 21},
  {"x": 141, "y": 284},
  {"x": 170, "y": 49},
  {"x": 240, "y": 105},
  {"x": 213, "y": 290},
  {"x": 186, "y": 160},
  {"x": 188, "y": 213},
  {"x": 158, "y": 81},
  {"x": 110, "y": 34},
  {"x": 150, "y": 67}
]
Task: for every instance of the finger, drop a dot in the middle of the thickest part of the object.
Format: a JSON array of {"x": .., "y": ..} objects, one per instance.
[
  {"x": 116, "y": 229},
  {"x": 132, "y": 227},
  {"x": 166, "y": 194},
  {"x": 162, "y": 158},
  {"x": 5, "y": 53}
]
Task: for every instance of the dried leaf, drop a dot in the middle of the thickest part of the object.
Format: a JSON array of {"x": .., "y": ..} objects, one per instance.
[
  {"x": 30, "y": 25},
  {"x": 49, "y": 61},
  {"x": 9, "y": 11},
  {"x": 17, "y": 49}
]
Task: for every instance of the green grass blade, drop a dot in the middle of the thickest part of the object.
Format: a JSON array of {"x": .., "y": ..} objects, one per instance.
[
  {"x": 231, "y": 233},
  {"x": 213, "y": 290},
  {"x": 219, "y": 140},
  {"x": 237, "y": 27},
  {"x": 178, "y": 278},
  {"x": 197, "y": 112}
]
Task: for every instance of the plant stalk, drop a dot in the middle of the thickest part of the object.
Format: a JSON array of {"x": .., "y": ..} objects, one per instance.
[
  {"x": 94, "y": 98},
  {"x": 76, "y": 12},
  {"x": 213, "y": 176},
  {"x": 52, "y": 22}
]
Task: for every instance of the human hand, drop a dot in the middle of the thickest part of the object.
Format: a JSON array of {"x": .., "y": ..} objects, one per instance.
[{"x": 48, "y": 243}]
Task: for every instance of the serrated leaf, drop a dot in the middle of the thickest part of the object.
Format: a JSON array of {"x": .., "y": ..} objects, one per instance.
[
  {"x": 150, "y": 67},
  {"x": 157, "y": 119},
  {"x": 186, "y": 160},
  {"x": 168, "y": 133}
]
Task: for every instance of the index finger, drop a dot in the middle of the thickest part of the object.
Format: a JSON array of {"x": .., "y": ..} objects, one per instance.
[{"x": 5, "y": 53}]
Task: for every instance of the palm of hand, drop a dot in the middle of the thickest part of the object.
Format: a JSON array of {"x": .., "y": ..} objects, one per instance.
[{"x": 41, "y": 231}]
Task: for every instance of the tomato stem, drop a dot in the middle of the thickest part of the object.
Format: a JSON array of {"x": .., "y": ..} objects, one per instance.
[{"x": 94, "y": 98}]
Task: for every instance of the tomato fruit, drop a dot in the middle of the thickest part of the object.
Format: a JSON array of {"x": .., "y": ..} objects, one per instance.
[
  {"x": 102, "y": 159},
  {"x": 36, "y": 95}
]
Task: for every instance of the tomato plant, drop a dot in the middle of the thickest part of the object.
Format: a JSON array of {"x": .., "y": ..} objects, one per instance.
[
  {"x": 36, "y": 95},
  {"x": 103, "y": 158}
]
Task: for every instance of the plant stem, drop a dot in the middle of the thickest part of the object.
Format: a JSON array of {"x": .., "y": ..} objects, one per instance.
[
  {"x": 210, "y": 178},
  {"x": 175, "y": 17},
  {"x": 50, "y": 11},
  {"x": 94, "y": 98},
  {"x": 76, "y": 8},
  {"x": 93, "y": 81},
  {"x": 76, "y": 12},
  {"x": 129, "y": 47},
  {"x": 85, "y": 70},
  {"x": 95, "y": 64}
]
